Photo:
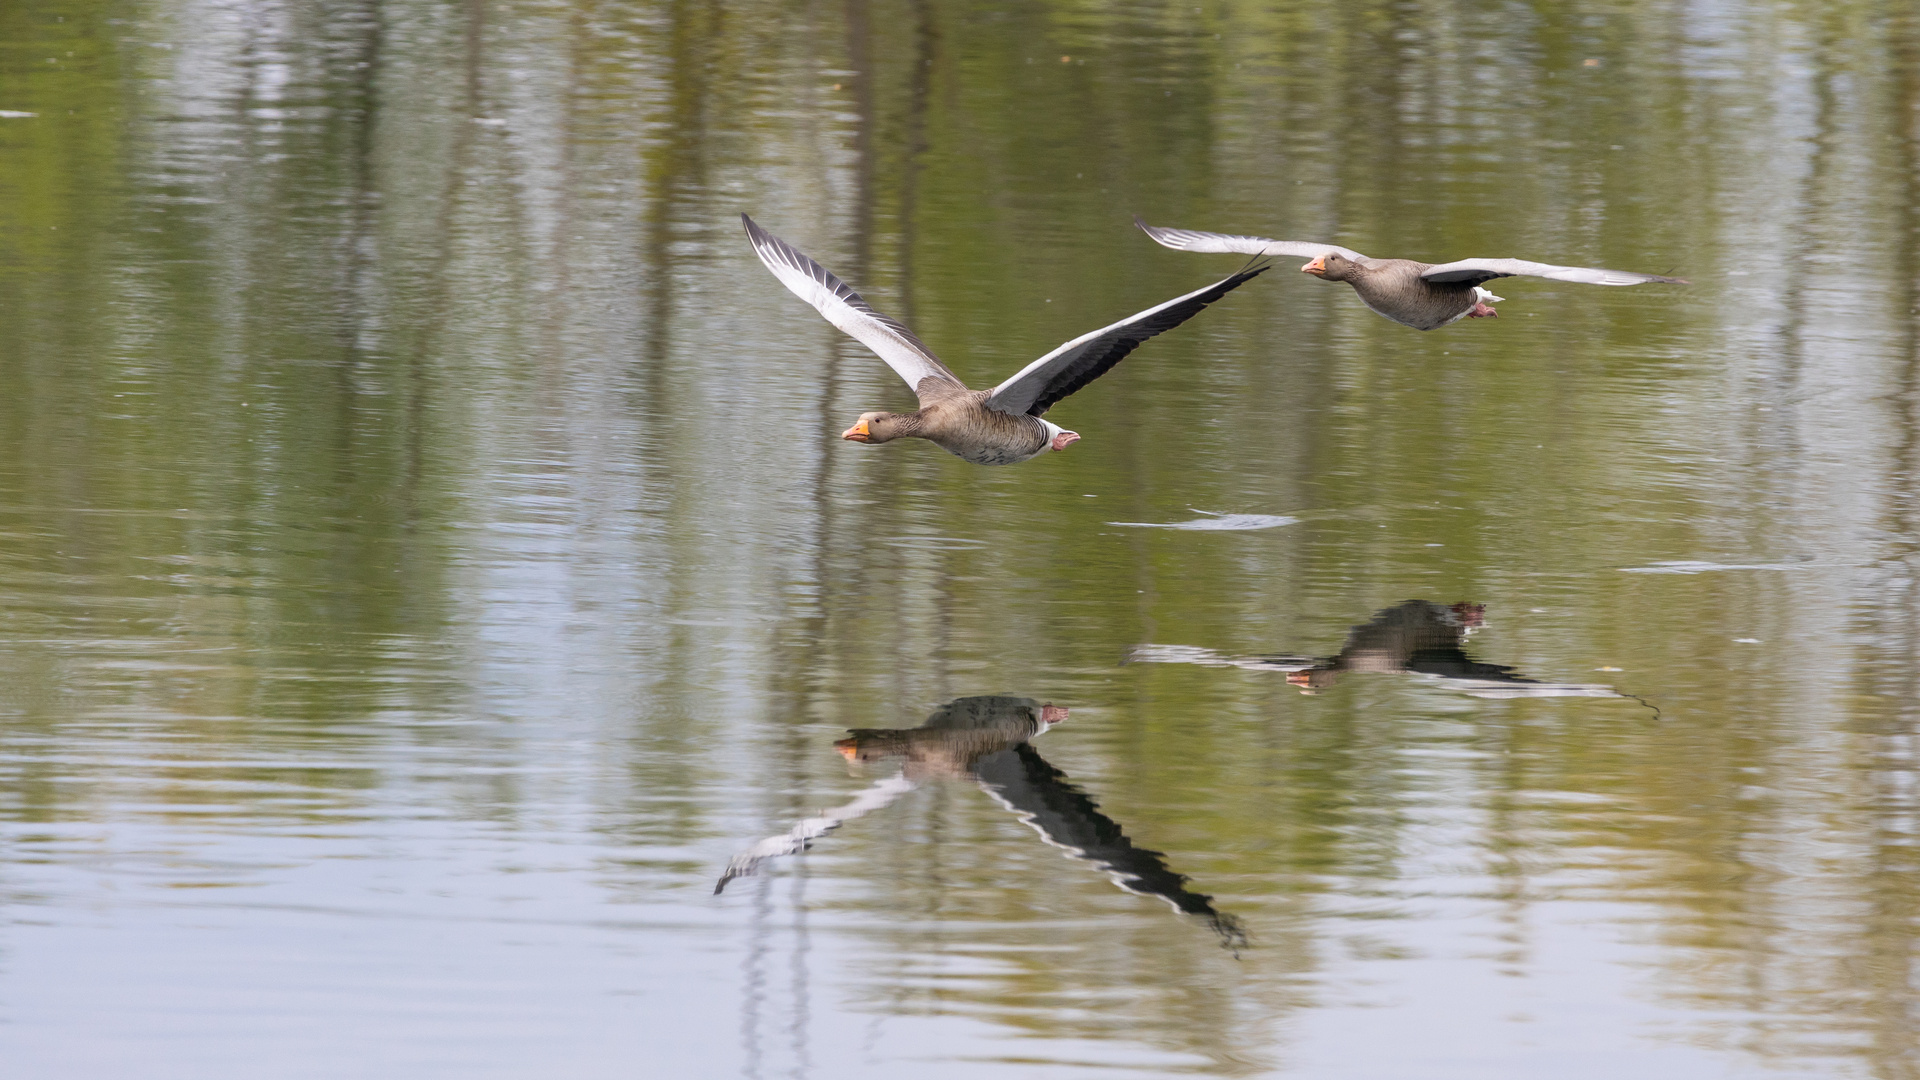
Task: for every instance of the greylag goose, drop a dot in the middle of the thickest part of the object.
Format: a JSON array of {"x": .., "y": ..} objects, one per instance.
[
  {"x": 1424, "y": 296},
  {"x": 1000, "y": 426}
]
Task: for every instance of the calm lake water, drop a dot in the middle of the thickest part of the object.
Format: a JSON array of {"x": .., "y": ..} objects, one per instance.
[{"x": 428, "y": 566}]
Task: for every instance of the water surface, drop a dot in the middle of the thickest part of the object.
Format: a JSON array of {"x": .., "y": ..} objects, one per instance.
[{"x": 427, "y": 562}]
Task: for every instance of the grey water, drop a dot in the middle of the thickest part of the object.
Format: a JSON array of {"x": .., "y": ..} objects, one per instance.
[{"x": 441, "y": 633}]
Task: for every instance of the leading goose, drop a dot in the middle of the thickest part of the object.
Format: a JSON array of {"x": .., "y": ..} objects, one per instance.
[
  {"x": 1421, "y": 295},
  {"x": 1000, "y": 426}
]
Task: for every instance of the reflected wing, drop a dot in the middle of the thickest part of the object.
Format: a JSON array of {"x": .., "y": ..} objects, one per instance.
[
  {"x": 1194, "y": 654},
  {"x": 1452, "y": 662},
  {"x": 1499, "y": 689},
  {"x": 1475, "y": 271},
  {"x": 1040, "y": 384},
  {"x": 844, "y": 308},
  {"x": 1177, "y": 654},
  {"x": 1193, "y": 240},
  {"x": 795, "y": 840},
  {"x": 1065, "y": 817}
]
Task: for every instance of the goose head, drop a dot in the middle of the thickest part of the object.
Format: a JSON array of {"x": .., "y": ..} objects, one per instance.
[
  {"x": 876, "y": 427},
  {"x": 1331, "y": 266}
]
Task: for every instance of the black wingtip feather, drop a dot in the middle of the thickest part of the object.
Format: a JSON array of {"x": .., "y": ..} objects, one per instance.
[{"x": 1094, "y": 365}]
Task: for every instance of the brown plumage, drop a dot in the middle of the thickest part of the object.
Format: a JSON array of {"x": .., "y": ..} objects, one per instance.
[
  {"x": 1394, "y": 288},
  {"x": 961, "y": 422}
]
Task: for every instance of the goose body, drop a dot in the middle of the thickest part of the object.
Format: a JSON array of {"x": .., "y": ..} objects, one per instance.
[
  {"x": 1001, "y": 426},
  {"x": 1425, "y": 296},
  {"x": 1395, "y": 289},
  {"x": 964, "y": 423}
]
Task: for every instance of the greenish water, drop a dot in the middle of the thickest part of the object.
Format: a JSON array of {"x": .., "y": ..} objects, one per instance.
[{"x": 427, "y": 561}]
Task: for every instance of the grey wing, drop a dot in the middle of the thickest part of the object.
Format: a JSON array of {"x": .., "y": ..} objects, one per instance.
[
  {"x": 1194, "y": 654},
  {"x": 1036, "y": 387},
  {"x": 1192, "y": 240},
  {"x": 844, "y": 308},
  {"x": 1474, "y": 271}
]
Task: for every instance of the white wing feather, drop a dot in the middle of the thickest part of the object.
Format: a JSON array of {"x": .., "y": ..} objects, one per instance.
[
  {"x": 1487, "y": 269},
  {"x": 1193, "y": 240},
  {"x": 846, "y": 309}
]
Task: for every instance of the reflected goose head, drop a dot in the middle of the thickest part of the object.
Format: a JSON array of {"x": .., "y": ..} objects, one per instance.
[
  {"x": 856, "y": 752},
  {"x": 1059, "y": 438},
  {"x": 875, "y": 427},
  {"x": 1312, "y": 680},
  {"x": 1331, "y": 266}
]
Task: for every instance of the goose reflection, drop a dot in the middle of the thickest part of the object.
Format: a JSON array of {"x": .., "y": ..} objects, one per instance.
[
  {"x": 988, "y": 740},
  {"x": 1418, "y": 637}
]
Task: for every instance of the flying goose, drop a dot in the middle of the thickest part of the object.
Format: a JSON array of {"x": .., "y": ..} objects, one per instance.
[
  {"x": 1000, "y": 426},
  {"x": 1421, "y": 295}
]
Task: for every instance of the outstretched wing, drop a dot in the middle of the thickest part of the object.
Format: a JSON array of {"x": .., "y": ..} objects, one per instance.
[
  {"x": 1475, "y": 271},
  {"x": 1192, "y": 240},
  {"x": 845, "y": 309},
  {"x": 1040, "y": 384}
]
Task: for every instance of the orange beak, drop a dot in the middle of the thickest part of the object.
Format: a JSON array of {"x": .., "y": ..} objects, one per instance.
[
  {"x": 1317, "y": 267},
  {"x": 857, "y": 433}
]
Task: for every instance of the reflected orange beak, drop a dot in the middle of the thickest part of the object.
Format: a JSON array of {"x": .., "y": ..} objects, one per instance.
[
  {"x": 1317, "y": 267},
  {"x": 857, "y": 433},
  {"x": 849, "y": 749}
]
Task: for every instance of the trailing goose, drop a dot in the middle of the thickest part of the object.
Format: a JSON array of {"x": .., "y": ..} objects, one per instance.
[
  {"x": 1000, "y": 426},
  {"x": 1424, "y": 296}
]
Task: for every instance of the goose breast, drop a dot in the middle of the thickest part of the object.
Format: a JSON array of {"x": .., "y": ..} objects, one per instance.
[{"x": 964, "y": 426}]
